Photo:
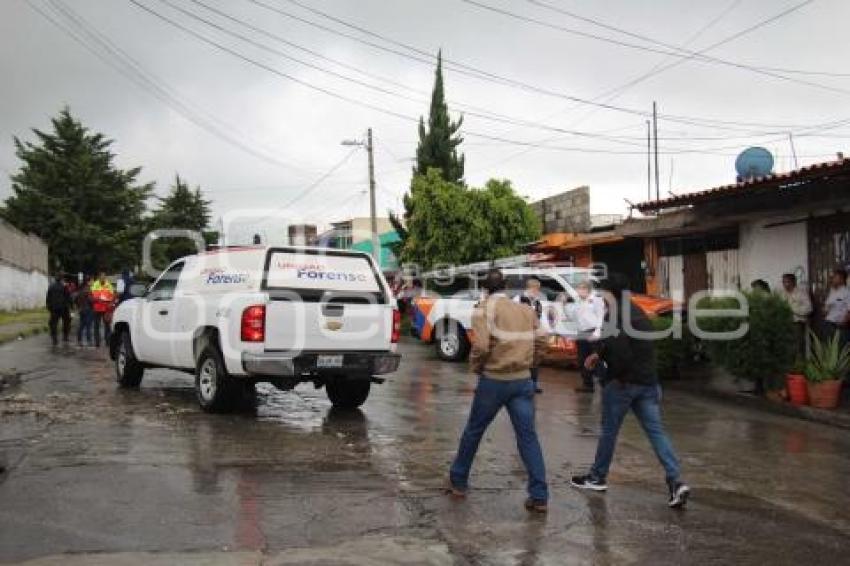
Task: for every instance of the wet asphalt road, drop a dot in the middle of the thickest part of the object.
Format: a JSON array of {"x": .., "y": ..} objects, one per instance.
[{"x": 106, "y": 474}]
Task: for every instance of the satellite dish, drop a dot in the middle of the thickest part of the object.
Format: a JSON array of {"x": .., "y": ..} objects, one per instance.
[{"x": 754, "y": 162}]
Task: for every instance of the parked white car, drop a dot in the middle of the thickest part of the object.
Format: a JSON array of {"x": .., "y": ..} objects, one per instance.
[{"x": 238, "y": 316}]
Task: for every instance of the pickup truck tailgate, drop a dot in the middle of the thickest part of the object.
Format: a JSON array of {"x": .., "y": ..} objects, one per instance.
[{"x": 292, "y": 325}]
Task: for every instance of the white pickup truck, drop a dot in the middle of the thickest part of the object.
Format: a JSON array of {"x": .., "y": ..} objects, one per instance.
[{"x": 238, "y": 316}]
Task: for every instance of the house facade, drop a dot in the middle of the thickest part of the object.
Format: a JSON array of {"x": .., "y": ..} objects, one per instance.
[{"x": 726, "y": 237}]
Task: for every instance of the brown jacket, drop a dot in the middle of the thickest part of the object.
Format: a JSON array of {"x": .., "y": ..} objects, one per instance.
[{"x": 506, "y": 340}]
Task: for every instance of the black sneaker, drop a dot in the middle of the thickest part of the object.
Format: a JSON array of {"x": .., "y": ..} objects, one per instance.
[
  {"x": 587, "y": 481},
  {"x": 679, "y": 494}
]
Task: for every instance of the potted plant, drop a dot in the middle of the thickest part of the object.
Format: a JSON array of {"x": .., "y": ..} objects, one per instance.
[
  {"x": 827, "y": 365},
  {"x": 796, "y": 384}
]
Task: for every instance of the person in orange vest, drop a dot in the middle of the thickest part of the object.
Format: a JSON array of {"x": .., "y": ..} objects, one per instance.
[{"x": 103, "y": 303}]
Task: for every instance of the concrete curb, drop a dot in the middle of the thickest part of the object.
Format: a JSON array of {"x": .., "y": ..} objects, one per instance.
[{"x": 836, "y": 418}]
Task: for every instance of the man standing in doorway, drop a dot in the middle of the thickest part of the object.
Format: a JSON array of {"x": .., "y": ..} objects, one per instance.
[
  {"x": 103, "y": 297},
  {"x": 801, "y": 307},
  {"x": 58, "y": 303},
  {"x": 630, "y": 382},
  {"x": 837, "y": 306},
  {"x": 504, "y": 348}
]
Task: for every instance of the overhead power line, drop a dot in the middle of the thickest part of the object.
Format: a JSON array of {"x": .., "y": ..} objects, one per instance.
[
  {"x": 684, "y": 50},
  {"x": 372, "y": 106},
  {"x": 691, "y": 55},
  {"x": 416, "y": 54},
  {"x": 80, "y": 31}
]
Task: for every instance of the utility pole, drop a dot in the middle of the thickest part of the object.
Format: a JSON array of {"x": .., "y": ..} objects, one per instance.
[
  {"x": 793, "y": 151},
  {"x": 648, "y": 162},
  {"x": 376, "y": 250},
  {"x": 655, "y": 135}
]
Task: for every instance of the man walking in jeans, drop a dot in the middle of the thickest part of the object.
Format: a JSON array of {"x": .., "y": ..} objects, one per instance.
[
  {"x": 626, "y": 365},
  {"x": 506, "y": 345}
]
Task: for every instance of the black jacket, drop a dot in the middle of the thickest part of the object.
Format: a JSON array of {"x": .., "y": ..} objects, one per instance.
[
  {"x": 58, "y": 297},
  {"x": 629, "y": 359}
]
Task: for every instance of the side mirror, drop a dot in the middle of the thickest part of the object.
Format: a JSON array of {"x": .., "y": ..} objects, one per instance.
[{"x": 138, "y": 290}]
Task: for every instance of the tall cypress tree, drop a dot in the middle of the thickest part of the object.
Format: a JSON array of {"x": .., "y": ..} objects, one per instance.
[
  {"x": 438, "y": 141},
  {"x": 437, "y": 149}
]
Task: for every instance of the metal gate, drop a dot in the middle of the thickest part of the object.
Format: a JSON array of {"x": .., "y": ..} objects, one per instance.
[{"x": 829, "y": 247}]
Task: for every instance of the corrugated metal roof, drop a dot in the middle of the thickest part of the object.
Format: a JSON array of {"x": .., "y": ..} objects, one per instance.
[{"x": 802, "y": 174}]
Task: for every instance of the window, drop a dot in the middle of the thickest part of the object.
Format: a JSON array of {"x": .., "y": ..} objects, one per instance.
[
  {"x": 163, "y": 289},
  {"x": 549, "y": 288}
]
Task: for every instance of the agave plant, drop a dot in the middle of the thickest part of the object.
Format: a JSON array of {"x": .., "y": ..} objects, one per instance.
[{"x": 829, "y": 360}]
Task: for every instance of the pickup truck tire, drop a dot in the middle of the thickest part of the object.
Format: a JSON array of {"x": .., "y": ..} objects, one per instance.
[
  {"x": 128, "y": 370},
  {"x": 216, "y": 391},
  {"x": 451, "y": 342},
  {"x": 348, "y": 393}
]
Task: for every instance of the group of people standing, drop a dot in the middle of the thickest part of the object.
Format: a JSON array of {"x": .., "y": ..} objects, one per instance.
[
  {"x": 507, "y": 346},
  {"x": 94, "y": 301},
  {"x": 586, "y": 312},
  {"x": 834, "y": 311}
]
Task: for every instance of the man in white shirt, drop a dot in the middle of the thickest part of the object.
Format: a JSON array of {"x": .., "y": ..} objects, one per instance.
[
  {"x": 837, "y": 305},
  {"x": 801, "y": 307},
  {"x": 589, "y": 312}
]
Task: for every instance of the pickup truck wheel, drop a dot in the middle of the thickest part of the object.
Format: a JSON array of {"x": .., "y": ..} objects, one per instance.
[
  {"x": 214, "y": 388},
  {"x": 348, "y": 393},
  {"x": 128, "y": 370},
  {"x": 451, "y": 342}
]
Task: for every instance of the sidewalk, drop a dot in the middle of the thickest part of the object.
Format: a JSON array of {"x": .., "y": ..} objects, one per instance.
[
  {"x": 22, "y": 324},
  {"x": 719, "y": 384}
]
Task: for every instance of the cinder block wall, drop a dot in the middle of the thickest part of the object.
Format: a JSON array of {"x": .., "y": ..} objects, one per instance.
[{"x": 23, "y": 269}]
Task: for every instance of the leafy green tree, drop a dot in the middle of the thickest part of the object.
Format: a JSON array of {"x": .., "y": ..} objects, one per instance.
[
  {"x": 438, "y": 148},
  {"x": 182, "y": 209},
  {"x": 458, "y": 225},
  {"x": 70, "y": 193}
]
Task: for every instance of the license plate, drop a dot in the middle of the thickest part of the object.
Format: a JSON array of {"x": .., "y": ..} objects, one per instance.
[{"x": 329, "y": 361}]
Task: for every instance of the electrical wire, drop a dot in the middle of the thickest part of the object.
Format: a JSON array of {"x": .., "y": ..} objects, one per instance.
[
  {"x": 691, "y": 55},
  {"x": 101, "y": 47},
  {"x": 427, "y": 58},
  {"x": 679, "y": 48},
  {"x": 371, "y": 106}
]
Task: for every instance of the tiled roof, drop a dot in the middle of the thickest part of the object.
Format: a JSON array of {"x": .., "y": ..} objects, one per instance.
[{"x": 807, "y": 173}]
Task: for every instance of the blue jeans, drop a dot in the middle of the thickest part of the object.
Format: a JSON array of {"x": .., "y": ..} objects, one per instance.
[
  {"x": 84, "y": 329},
  {"x": 617, "y": 399},
  {"x": 518, "y": 398}
]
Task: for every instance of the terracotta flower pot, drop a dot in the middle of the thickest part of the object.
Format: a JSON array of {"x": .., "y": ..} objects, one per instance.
[
  {"x": 798, "y": 392},
  {"x": 825, "y": 394}
]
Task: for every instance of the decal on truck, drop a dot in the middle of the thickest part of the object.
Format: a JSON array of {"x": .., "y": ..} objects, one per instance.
[
  {"x": 339, "y": 272},
  {"x": 220, "y": 276}
]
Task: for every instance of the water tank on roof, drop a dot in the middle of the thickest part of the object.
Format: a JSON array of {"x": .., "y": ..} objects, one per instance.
[{"x": 754, "y": 162}]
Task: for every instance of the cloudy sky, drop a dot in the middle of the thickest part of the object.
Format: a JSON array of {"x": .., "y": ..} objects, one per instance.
[{"x": 252, "y": 103}]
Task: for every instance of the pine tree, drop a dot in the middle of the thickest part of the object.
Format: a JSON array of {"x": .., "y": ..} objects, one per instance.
[
  {"x": 182, "y": 209},
  {"x": 70, "y": 193}
]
